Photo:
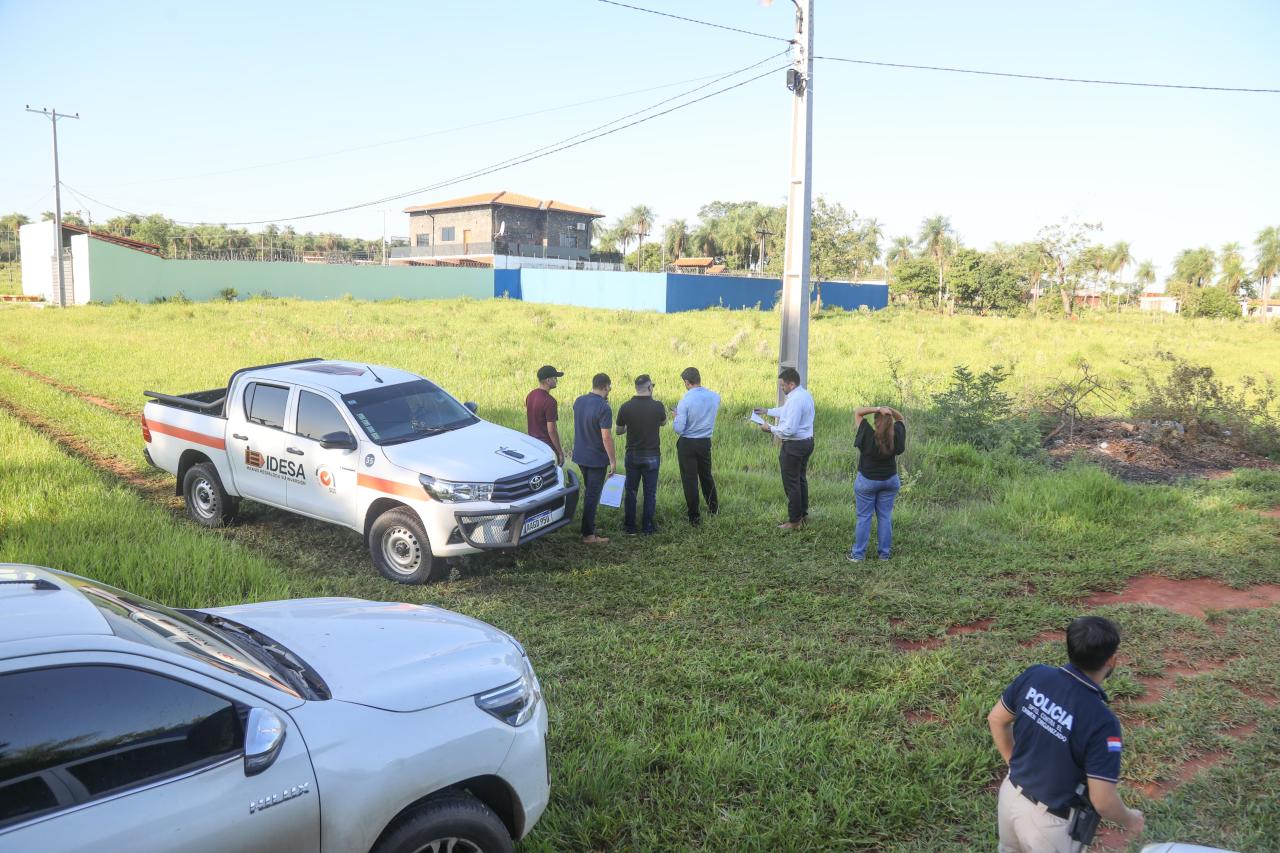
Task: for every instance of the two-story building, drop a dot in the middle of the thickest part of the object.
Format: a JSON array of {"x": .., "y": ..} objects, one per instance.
[{"x": 491, "y": 225}]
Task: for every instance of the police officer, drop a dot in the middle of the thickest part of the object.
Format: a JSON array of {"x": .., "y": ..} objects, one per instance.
[{"x": 1053, "y": 727}]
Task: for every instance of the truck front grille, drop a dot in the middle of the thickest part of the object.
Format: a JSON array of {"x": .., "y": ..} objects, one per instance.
[
  {"x": 489, "y": 529},
  {"x": 520, "y": 486}
]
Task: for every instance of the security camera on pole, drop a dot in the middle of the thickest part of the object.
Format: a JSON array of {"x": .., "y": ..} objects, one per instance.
[{"x": 794, "y": 349}]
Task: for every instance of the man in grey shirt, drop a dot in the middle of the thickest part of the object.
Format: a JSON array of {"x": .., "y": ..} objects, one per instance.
[{"x": 694, "y": 419}]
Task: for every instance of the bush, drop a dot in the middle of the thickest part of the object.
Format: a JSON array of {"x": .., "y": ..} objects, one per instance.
[
  {"x": 1193, "y": 396},
  {"x": 1210, "y": 302},
  {"x": 976, "y": 412},
  {"x": 228, "y": 294}
]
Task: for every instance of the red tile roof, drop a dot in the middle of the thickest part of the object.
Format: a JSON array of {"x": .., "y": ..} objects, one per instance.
[{"x": 507, "y": 198}]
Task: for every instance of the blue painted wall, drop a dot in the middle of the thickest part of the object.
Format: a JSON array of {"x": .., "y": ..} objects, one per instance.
[
  {"x": 636, "y": 291},
  {"x": 506, "y": 283},
  {"x": 854, "y": 296},
  {"x": 694, "y": 292}
]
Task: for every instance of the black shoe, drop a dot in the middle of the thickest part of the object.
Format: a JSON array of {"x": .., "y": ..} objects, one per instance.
[
  {"x": 631, "y": 533},
  {"x": 696, "y": 521}
]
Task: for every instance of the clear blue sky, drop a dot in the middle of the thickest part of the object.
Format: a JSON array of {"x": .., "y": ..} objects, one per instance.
[{"x": 171, "y": 91}]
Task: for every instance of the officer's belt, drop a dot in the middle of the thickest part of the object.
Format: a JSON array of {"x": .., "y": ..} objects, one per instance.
[{"x": 1064, "y": 812}]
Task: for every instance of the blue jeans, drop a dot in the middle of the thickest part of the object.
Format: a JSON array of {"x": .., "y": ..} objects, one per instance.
[
  {"x": 874, "y": 496},
  {"x": 640, "y": 468},
  {"x": 592, "y": 484}
]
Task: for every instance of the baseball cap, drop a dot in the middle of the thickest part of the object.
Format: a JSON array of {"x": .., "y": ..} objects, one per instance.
[{"x": 547, "y": 371}]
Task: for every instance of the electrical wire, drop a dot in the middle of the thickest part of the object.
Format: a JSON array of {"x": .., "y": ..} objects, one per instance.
[
  {"x": 402, "y": 139},
  {"x": 573, "y": 141},
  {"x": 1044, "y": 77},
  {"x": 695, "y": 21}
]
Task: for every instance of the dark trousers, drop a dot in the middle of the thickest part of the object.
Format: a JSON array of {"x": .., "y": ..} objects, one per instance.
[
  {"x": 694, "y": 456},
  {"x": 641, "y": 468},
  {"x": 592, "y": 484},
  {"x": 793, "y": 459}
]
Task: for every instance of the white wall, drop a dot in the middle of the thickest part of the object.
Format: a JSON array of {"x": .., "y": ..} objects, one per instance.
[
  {"x": 36, "y": 240},
  {"x": 80, "y": 267}
]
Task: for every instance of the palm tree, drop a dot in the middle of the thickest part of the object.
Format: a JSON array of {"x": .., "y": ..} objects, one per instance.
[
  {"x": 1121, "y": 257},
  {"x": 1145, "y": 276},
  {"x": 640, "y": 221},
  {"x": 705, "y": 240},
  {"x": 1233, "y": 271},
  {"x": 934, "y": 234},
  {"x": 899, "y": 250},
  {"x": 675, "y": 237},
  {"x": 1268, "y": 244}
]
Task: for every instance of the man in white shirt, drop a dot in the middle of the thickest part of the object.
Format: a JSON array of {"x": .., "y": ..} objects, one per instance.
[{"x": 795, "y": 428}]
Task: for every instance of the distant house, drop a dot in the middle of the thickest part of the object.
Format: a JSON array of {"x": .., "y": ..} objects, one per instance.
[
  {"x": 1151, "y": 301},
  {"x": 486, "y": 226},
  {"x": 704, "y": 266}
]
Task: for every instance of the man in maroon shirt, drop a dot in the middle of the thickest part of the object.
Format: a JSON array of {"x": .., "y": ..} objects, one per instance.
[{"x": 542, "y": 411}]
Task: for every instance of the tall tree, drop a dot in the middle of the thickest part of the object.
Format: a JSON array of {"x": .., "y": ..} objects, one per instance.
[
  {"x": 1121, "y": 256},
  {"x": 934, "y": 233},
  {"x": 675, "y": 237},
  {"x": 1268, "y": 258},
  {"x": 640, "y": 220},
  {"x": 899, "y": 250},
  {"x": 1233, "y": 273},
  {"x": 1194, "y": 267},
  {"x": 1145, "y": 276},
  {"x": 1062, "y": 244}
]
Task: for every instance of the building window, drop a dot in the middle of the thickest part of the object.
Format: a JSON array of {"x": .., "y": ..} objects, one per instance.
[
  {"x": 423, "y": 240},
  {"x": 569, "y": 239},
  {"x": 446, "y": 235}
]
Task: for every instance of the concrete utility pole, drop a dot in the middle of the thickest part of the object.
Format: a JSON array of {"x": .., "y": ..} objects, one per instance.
[
  {"x": 54, "y": 115},
  {"x": 794, "y": 348},
  {"x": 762, "y": 232}
]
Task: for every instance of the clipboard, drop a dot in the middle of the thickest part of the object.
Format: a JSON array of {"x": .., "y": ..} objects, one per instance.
[{"x": 611, "y": 494}]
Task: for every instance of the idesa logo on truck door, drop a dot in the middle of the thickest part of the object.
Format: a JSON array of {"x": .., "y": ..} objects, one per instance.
[{"x": 274, "y": 466}]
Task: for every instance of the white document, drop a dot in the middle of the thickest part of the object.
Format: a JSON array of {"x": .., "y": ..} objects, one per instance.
[
  {"x": 759, "y": 421},
  {"x": 611, "y": 495}
]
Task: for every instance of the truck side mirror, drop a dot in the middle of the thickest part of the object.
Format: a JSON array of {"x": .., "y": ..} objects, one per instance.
[
  {"x": 338, "y": 441},
  {"x": 471, "y": 407},
  {"x": 263, "y": 736}
]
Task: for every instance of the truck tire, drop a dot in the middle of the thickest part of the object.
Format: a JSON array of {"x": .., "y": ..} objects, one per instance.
[
  {"x": 400, "y": 548},
  {"x": 207, "y": 502},
  {"x": 458, "y": 823}
]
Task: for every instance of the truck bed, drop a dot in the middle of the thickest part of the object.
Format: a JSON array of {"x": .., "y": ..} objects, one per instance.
[{"x": 209, "y": 402}]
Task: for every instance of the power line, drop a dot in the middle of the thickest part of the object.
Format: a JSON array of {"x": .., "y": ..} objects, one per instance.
[
  {"x": 441, "y": 132},
  {"x": 1046, "y": 77},
  {"x": 528, "y": 156},
  {"x": 695, "y": 21}
]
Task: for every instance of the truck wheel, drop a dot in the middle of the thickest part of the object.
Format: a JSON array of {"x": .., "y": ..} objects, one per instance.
[
  {"x": 460, "y": 824},
  {"x": 208, "y": 503},
  {"x": 400, "y": 548}
]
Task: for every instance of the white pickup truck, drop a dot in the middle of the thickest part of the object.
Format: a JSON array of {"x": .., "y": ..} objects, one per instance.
[{"x": 379, "y": 450}]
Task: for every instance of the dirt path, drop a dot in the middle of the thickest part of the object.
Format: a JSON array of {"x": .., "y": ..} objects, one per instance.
[{"x": 73, "y": 391}]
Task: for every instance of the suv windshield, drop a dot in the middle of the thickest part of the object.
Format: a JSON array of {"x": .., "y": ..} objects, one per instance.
[
  {"x": 142, "y": 621},
  {"x": 407, "y": 411}
]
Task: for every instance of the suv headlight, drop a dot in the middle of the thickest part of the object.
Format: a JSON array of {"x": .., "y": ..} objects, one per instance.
[
  {"x": 448, "y": 491},
  {"x": 513, "y": 703}
]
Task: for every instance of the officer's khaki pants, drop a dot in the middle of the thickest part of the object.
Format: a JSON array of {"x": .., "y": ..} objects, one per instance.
[{"x": 1026, "y": 827}]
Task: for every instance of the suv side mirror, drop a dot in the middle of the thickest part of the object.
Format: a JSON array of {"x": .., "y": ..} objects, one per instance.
[
  {"x": 338, "y": 441},
  {"x": 471, "y": 407},
  {"x": 263, "y": 736}
]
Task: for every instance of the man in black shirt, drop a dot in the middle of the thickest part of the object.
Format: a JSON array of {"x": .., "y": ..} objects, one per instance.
[{"x": 639, "y": 419}]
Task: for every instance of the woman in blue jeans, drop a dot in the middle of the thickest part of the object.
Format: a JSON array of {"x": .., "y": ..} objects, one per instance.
[{"x": 876, "y": 486}]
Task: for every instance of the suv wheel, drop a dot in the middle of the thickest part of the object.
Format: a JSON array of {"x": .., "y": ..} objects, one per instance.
[
  {"x": 207, "y": 502},
  {"x": 452, "y": 824},
  {"x": 400, "y": 548}
]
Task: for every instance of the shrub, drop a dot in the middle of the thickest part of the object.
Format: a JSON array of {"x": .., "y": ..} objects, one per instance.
[
  {"x": 228, "y": 294},
  {"x": 976, "y": 412},
  {"x": 1192, "y": 395},
  {"x": 1210, "y": 302}
]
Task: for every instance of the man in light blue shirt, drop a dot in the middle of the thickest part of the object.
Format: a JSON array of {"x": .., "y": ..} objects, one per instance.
[
  {"x": 694, "y": 420},
  {"x": 795, "y": 428}
]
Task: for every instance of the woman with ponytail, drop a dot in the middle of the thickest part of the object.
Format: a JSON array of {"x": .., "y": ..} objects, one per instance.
[{"x": 877, "y": 484}]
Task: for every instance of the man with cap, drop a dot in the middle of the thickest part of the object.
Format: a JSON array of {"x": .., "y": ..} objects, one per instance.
[
  {"x": 639, "y": 420},
  {"x": 542, "y": 411},
  {"x": 1054, "y": 729}
]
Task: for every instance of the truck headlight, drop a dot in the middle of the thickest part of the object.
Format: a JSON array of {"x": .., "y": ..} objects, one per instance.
[
  {"x": 513, "y": 703},
  {"x": 448, "y": 491}
]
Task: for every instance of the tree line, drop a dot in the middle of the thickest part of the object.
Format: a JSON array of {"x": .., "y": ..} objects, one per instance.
[{"x": 934, "y": 267}]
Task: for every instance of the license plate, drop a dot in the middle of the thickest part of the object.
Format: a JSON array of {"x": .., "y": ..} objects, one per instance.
[{"x": 537, "y": 522}]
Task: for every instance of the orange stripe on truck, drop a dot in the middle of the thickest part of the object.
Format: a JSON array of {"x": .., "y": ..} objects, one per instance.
[
  {"x": 193, "y": 437},
  {"x": 391, "y": 487}
]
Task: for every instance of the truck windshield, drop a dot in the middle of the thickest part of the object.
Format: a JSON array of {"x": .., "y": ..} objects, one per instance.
[{"x": 408, "y": 411}]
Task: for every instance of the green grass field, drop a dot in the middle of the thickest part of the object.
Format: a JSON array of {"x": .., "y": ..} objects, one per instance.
[{"x": 737, "y": 688}]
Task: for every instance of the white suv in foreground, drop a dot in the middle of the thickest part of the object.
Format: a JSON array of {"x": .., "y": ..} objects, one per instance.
[{"x": 314, "y": 724}]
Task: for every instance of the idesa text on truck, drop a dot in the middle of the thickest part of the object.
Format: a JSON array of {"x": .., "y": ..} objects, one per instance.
[{"x": 382, "y": 451}]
